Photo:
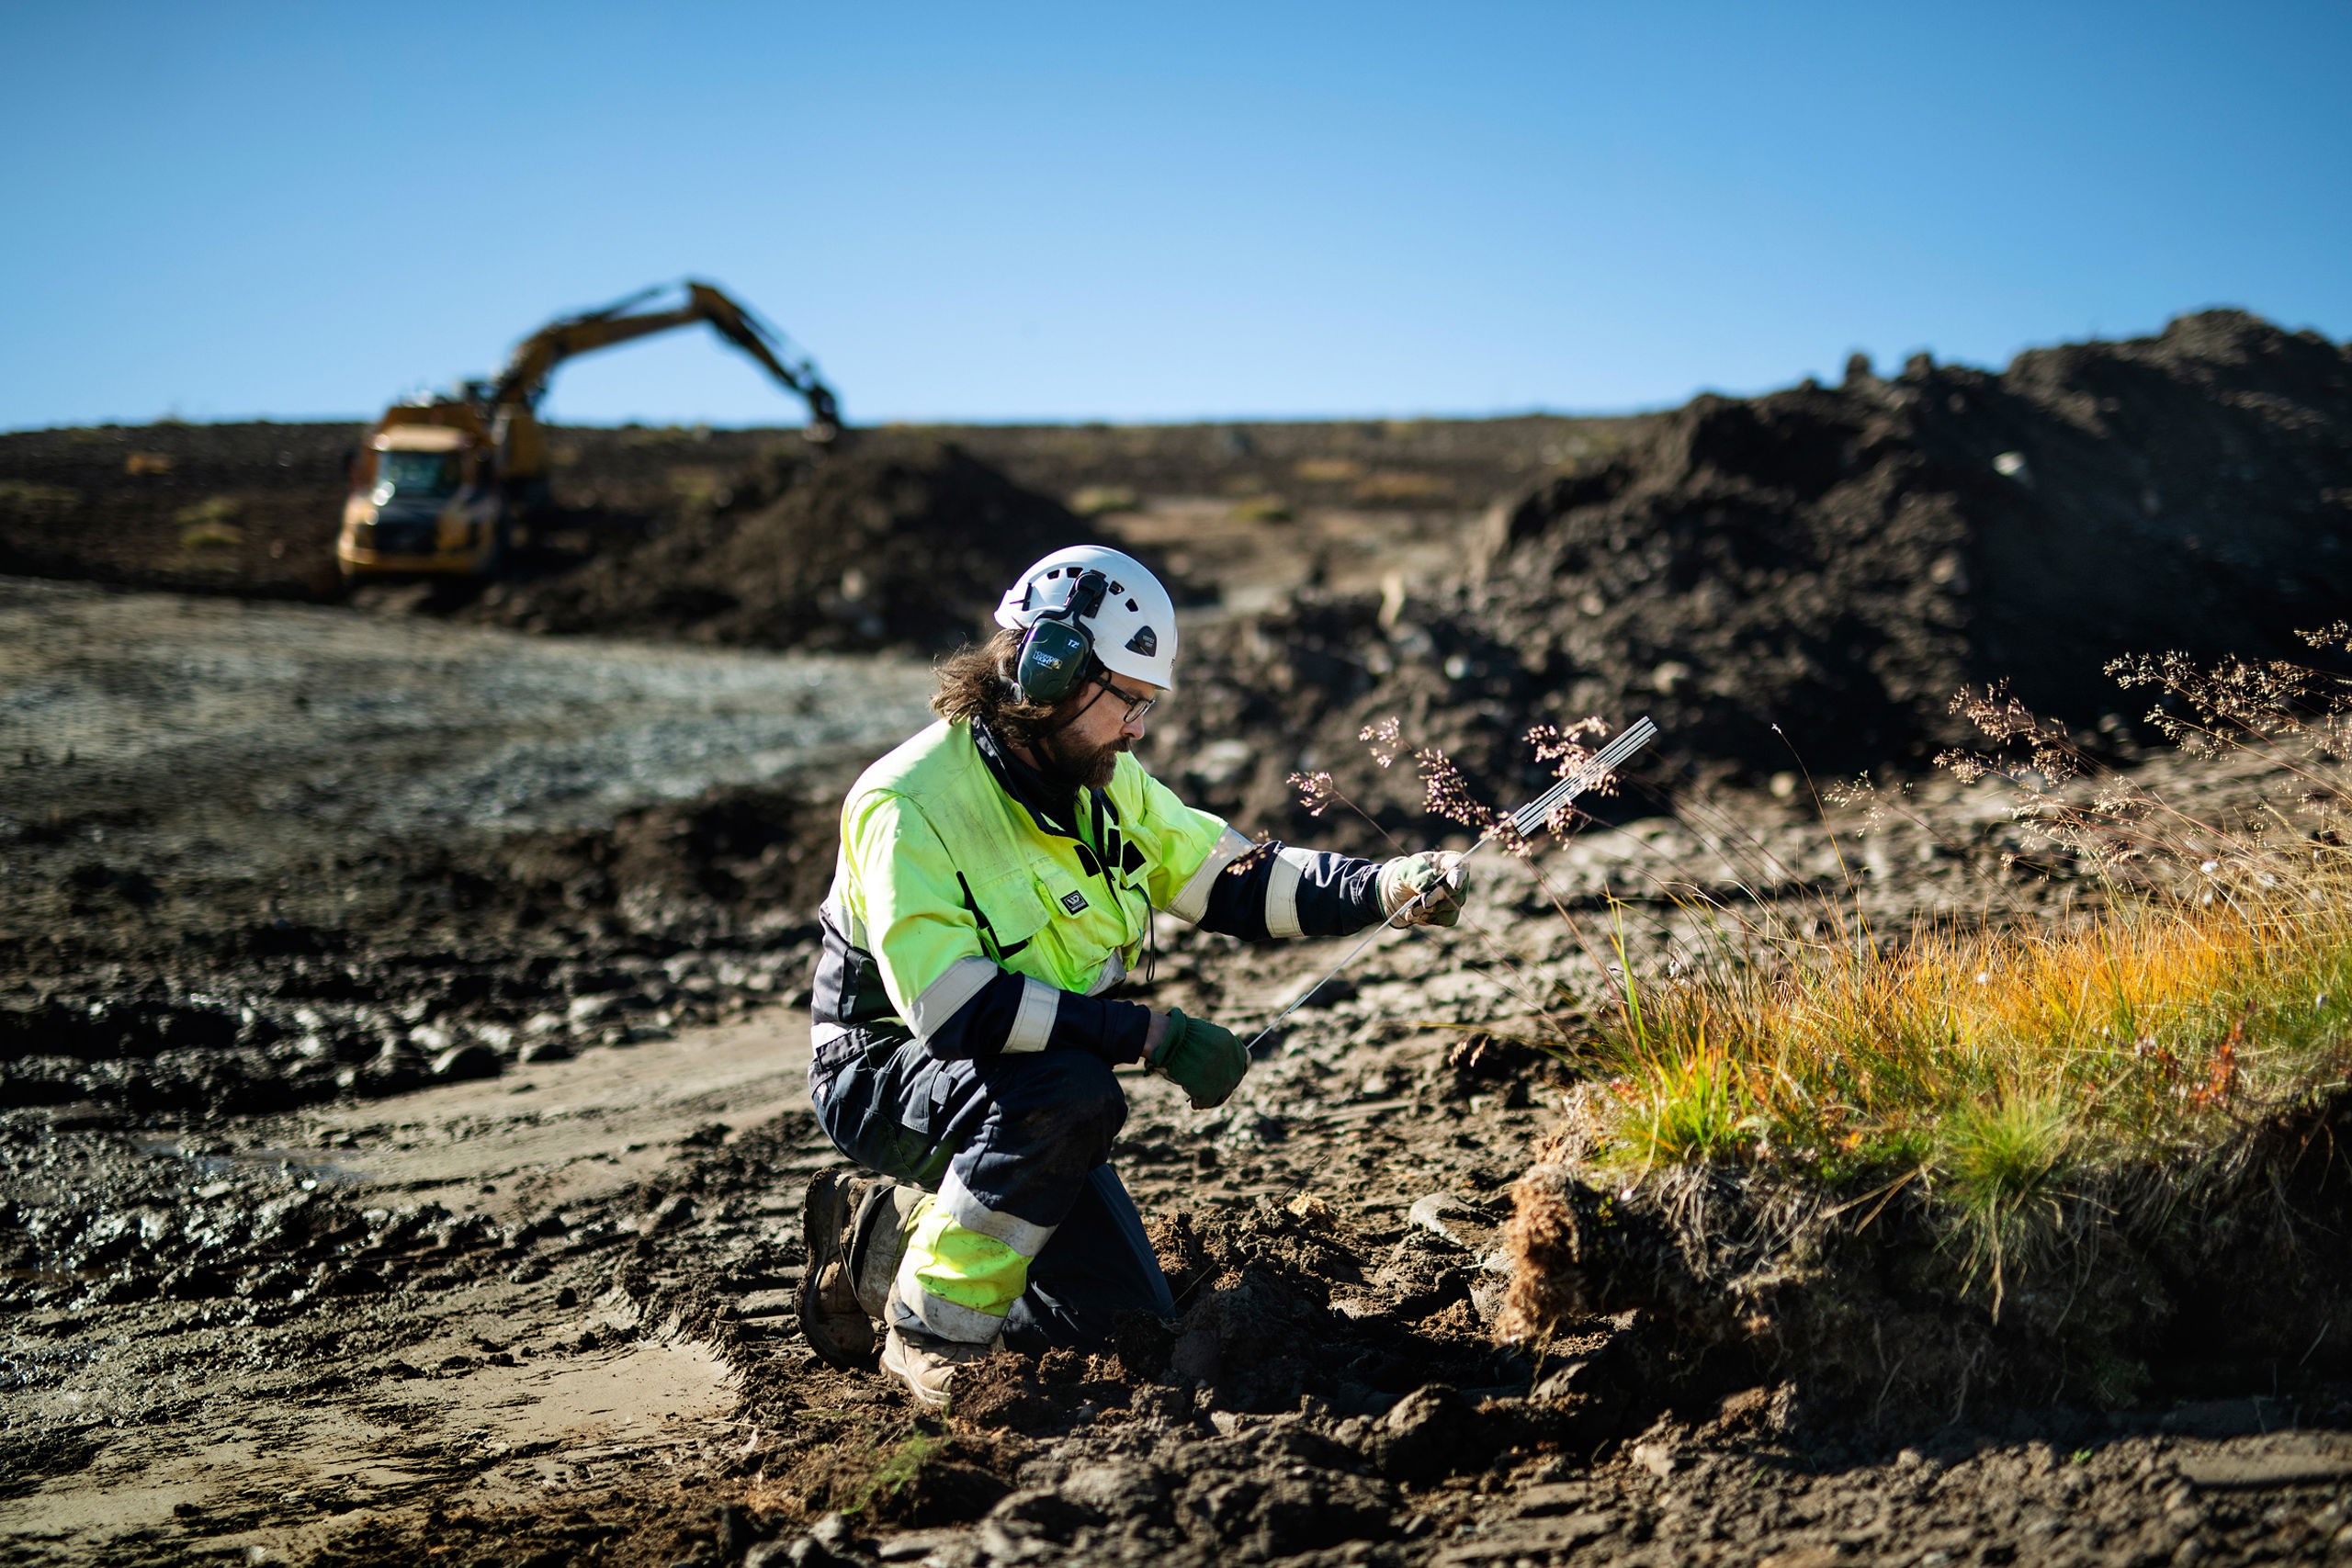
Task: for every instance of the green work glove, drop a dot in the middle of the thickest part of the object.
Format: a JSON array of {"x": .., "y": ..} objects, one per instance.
[
  {"x": 1437, "y": 873},
  {"x": 1202, "y": 1060}
]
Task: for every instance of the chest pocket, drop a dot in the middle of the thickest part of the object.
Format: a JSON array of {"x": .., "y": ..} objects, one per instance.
[{"x": 1011, "y": 914}]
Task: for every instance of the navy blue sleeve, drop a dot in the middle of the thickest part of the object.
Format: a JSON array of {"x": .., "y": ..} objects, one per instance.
[
  {"x": 977, "y": 1030},
  {"x": 1285, "y": 892}
]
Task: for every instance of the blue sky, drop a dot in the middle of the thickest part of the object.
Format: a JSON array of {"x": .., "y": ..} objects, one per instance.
[{"x": 1131, "y": 213}]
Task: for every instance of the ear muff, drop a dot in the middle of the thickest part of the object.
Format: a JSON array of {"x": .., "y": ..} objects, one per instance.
[{"x": 1057, "y": 649}]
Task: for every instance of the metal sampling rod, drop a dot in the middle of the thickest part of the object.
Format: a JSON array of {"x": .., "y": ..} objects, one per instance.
[{"x": 1523, "y": 822}]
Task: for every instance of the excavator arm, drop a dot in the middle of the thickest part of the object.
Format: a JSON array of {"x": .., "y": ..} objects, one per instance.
[{"x": 525, "y": 380}]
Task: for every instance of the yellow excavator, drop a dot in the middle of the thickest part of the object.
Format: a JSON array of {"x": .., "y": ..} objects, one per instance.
[{"x": 447, "y": 485}]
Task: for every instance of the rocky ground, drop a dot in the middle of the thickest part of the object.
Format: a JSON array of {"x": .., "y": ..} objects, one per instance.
[
  {"x": 544, "y": 1318},
  {"x": 401, "y": 1114},
  {"x": 472, "y": 1270}
]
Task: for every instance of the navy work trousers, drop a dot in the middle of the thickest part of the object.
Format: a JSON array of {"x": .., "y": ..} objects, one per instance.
[{"x": 1027, "y": 1133}]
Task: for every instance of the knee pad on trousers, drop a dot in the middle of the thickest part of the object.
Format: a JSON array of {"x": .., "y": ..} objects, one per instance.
[{"x": 879, "y": 1241}]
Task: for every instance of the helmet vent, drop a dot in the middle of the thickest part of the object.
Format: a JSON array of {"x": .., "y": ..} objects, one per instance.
[
  {"x": 1135, "y": 608},
  {"x": 1146, "y": 642}
]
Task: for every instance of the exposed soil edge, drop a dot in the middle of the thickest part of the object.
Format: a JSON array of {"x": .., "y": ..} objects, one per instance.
[{"x": 1874, "y": 1300}]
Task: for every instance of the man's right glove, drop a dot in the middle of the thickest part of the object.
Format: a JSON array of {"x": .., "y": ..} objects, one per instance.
[
  {"x": 1202, "y": 1060},
  {"x": 1428, "y": 888}
]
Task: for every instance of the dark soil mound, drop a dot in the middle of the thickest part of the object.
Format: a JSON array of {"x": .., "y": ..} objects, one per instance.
[
  {"x": 1832, "y": 564},
  {"x": 907, "y": 547}
]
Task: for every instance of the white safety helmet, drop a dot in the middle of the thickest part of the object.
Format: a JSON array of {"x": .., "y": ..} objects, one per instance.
[{"x": 1134, "y": 632}]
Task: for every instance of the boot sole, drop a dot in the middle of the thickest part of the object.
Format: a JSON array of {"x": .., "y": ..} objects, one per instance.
[{"x": 823, "y": 1212}]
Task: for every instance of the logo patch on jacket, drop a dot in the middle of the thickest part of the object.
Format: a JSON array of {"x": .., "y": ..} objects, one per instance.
[{"x": 1073, "y": 902}]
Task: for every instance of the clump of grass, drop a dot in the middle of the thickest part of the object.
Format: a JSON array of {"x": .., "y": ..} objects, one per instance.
[
  {"x": 209, "y": 524},
  {"x": 1261, "y": 509},
  {"x": 1096, "y": 500},
  {"x": 2206, "y": 990}
]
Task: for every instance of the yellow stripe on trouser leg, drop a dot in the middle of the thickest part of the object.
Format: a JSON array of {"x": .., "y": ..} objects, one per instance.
[{"x": 955, "y": 1282}]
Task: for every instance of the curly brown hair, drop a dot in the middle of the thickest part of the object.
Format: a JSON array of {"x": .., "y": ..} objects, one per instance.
[{"x": 975, "y": 682}]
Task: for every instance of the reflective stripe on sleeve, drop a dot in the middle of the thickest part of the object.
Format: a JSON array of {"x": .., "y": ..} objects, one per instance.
[
  {"x": 848, "y": 924},
  {"x": 944, "y": 998},
  {"x": 1033, "y": 1026},
  {"x": 1282, "y": 891},
  {"x": 974, "y": 1215},
  {"x": 1193, "y": 901}
]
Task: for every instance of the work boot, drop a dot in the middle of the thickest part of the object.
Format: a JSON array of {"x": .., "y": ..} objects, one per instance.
[
  {"x": 928, "y": 1364},
  {"x": 836, "y": 1325},
  {"x": 853, "y": 1230}
]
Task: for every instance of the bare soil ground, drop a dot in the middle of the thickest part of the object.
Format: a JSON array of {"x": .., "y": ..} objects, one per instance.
[
  {"x": 401, "y": 1117},
  {"x": 541, "y": 1314}
]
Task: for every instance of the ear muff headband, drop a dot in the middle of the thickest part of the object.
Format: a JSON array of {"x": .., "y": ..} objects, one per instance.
[{"x": 1057, "y": 649}]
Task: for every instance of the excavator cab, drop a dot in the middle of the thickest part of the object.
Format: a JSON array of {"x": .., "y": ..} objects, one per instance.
[{"x": 415, "y": 477}]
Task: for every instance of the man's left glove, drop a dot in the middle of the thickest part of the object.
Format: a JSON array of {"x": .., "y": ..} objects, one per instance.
[
  {"x": 1205, "y": 1061},
  {"x": 1437, "y": 873}
]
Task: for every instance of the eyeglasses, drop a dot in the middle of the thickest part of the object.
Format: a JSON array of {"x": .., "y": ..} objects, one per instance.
[{"x": 1137, "y": 706}]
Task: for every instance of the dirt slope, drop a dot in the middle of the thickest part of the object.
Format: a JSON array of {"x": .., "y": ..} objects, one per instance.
[{"x": 1830, "y": 564}]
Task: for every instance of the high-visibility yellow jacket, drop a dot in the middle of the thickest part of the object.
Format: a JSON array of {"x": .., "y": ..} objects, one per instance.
[{"x": 959, "y": 917}]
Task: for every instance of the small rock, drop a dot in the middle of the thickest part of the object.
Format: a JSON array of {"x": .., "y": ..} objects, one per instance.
[
  {"x": 673, "y": 1210},
  {"x": 1656, "y": 1458},
  {"x": 1430, "y": 1434},
  {"x": 548, "y": 1050},
  {"x": 475, "y": 1061},
  {"x": 1117, "y": 1491},
  {"x": 1572, "y": 1379},
  {"x": 1450, "y": 1219},
  {"x": 734, "y": 1533}
]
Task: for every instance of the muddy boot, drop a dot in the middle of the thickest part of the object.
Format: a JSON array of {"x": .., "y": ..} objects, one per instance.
[
  {"x": 853, "y": 1229},
  {"x": 928, "y": 1364}
]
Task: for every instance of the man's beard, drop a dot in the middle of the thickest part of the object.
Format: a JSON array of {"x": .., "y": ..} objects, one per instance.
[{"x": 1088, "y": 768}]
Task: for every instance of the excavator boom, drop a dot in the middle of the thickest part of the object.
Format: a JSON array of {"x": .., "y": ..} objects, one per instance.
[{"x": 525, "y": 380}]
